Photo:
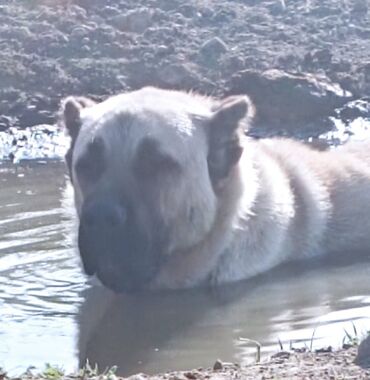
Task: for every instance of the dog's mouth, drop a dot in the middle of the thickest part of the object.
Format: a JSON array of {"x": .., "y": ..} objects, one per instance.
[
  {"x": 122, "y": 282},
  {"x": 119, "y": 275},
  {"x": 119, "y": 269},
  {"x": 115, "y": 249}
]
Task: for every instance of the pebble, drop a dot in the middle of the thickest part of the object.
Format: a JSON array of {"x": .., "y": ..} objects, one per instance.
[
  {"x": 213, "y": 48},
  {"x": 218, "y": 365},
  {"x": 135, "y": 21},
  {"x": 174, "y": 74},
  {"x": 360, "y": 6},
  {"x": 363, "y": 355},
  {"x": 139, "y": 376}
]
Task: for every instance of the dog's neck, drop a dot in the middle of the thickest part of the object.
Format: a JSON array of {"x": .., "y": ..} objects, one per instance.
[
  {"x": 189, "y": 269},
  {"x": 265, "y": 209}
]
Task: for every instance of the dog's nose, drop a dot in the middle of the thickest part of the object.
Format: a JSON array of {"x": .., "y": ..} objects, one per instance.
[{"x": 103, "y": 214}]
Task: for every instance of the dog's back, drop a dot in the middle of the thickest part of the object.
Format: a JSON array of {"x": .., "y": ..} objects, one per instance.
[
  {"x": 309, "y": 203},
  {"x": 334, "y": 183}
]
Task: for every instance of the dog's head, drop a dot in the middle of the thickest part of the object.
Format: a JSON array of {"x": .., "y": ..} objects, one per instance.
[{"x": 147, "y": 168}]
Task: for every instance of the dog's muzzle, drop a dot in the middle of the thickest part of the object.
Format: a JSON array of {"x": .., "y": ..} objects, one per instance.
[{"x": 112, "y": 247}]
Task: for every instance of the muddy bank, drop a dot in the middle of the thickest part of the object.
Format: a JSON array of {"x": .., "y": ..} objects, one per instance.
[
  {"x": 322, "y": 364},
  {"x": 50, "y": 49}
]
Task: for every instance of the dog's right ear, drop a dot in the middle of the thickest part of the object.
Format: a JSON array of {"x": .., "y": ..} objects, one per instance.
[
  {"x": 227, "y": 125},
  {"x": 70, "y": 113},
  {"x": 71, "y": 121}
]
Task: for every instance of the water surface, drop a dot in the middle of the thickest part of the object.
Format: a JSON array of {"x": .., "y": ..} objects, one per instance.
[{"x": 50, "y": 314}]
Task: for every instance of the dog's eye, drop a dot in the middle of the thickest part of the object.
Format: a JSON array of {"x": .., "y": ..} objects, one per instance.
[
  {"x": 150, "y": 162},
  {"x": 149, "y": 166},
  {"x": 90, "y": 166},
  {"x": 88, "y": 170}
]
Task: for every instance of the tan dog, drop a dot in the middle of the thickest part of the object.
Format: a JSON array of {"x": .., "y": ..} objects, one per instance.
[{"x": 170, "y": 193}]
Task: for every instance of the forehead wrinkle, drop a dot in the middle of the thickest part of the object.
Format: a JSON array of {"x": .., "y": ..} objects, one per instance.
[
  {"x": 115, "y": 125},
  {"x": 167, "y": 122}
]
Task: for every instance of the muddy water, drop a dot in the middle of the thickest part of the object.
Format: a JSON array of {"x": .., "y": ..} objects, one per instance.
[{"x": 49, "y": 313}]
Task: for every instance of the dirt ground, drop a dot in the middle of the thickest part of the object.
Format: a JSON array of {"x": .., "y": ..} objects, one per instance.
[
  {"x": 284, "y": 365},
  {"x": 324, "y": 365},
  {"x": 53, "y": 48}
]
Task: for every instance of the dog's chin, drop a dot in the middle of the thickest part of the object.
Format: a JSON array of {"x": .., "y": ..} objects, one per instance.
[
  {"x": 125, "y": 282},
  {"x": 122, "y": 281},
  {"x": 121, "y": 286},
  {"x": 123, "y": 271}
]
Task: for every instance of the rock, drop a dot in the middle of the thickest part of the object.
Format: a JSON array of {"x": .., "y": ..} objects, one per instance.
[
  {"x": 138, "y": 376},
  {"x": 80, "y": 31},
  {"x": 363, "y": 353},
  {"x": 281, "y": 355},
  {"x": 318, "y": 58},
  {"x": 5, "y": 122},
  {"x": 355, "y": 109},
  {"x": 3, "y": 126},
  {"x": 232, "y": 63},
  {"x": 360, "y": 6},
  {"x": 191, "y": 375},
  {"x": 285, "y": 100},
  {"x": 324, "y": 350},
  {"x": 188, "y": 10},
  {"x": 213, "y": 48},
  {"x": 174, "y": 74},
  {"x": 77, "y": 11},
  {"x": 223, "y": 16},
  {"x": 218, "y": 365},
  {"x": 136, "y": 21},
  {"x": 110, "y": 11}
]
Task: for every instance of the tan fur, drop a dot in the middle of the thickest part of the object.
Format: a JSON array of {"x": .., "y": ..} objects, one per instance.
[{"x": 281, "y": 201}]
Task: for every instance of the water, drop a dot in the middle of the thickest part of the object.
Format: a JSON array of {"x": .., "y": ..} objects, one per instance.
[
  {"x": 49, "y": 313},
  {"x": 40, "y": 280}
]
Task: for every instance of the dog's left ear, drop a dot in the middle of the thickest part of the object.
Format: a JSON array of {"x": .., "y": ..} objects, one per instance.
[{"x": 228, "y": 123}]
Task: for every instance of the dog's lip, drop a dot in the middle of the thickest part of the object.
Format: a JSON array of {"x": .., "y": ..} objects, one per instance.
[
  {"x": 122, "y": 286},
  {"x": 121, "y": 282}
]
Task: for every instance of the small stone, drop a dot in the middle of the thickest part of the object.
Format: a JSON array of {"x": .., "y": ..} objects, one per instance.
[
  {"x": 190, "y": 375},
  {"x": 80, "y": 31},
  {"x": 281, "y": 355},
  {"x": 174, "y": 74},
  {"x": 363, "y": 354},
  {"x": 138, "y": 376},
  {"x": 77, "y": 11},
  {"x": 218, "y": 365},
  {"x": 360, "y": 6},
  {"x": 110, "y": 11},
  {"x": 187, "y": 10},
  {"x": 136, "y": 21},
  {"x": 324, "y": 350},
  {"x": 213, "y": 48}
]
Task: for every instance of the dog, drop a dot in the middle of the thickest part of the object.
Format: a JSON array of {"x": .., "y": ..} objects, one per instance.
[{"x": 171, "y": 192}]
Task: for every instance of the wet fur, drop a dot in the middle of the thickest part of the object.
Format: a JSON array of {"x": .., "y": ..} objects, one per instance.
[{"x": 279, "y": 200}]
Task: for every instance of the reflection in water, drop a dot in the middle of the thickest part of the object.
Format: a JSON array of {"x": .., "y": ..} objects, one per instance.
[
  {"x": 48, "y": 314},
  {"x": 179, "y": 330}
]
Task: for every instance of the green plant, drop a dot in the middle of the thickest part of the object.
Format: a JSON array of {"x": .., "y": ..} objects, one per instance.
[{"x": 52, "y": 372}]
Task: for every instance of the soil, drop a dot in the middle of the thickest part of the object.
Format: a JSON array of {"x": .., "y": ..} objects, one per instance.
[
  {"x": 50, "y": 49},
  {"x": 321, "y": 365}
]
